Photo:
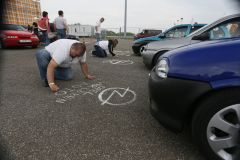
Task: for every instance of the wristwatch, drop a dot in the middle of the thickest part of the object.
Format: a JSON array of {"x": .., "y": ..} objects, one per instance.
[{"x": 50, "y": 84}]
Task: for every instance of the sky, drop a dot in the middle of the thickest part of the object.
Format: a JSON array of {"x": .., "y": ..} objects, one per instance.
[{"x": 157, "y": 14}]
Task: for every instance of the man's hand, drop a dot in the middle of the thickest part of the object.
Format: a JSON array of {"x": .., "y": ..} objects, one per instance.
[
  {"x": 84, "y": 67},
  {"x": 54, "y": 87},
  {"x": 89, "y": 77}
]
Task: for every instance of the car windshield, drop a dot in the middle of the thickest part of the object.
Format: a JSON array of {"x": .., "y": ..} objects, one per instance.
[{"x": 12, "y": 27}]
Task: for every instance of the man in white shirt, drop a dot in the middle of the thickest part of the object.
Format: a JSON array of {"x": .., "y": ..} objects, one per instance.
[
  {"x": 98, "y": 29},
  {"x": 56, "y": 59},
  {"x": 60, "y": 25}
]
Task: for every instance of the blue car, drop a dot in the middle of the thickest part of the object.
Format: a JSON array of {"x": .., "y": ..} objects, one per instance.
[
  {"x": 177, "y": 31},
  {"x": 199, "y": 86}
]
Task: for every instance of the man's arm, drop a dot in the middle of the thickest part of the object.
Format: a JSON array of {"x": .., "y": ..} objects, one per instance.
[
  {"x": 110, "y": 48},
  {"x": 55, "y": 27},
  {"x": 66, "y": 26},
  {"x": 50, "y": 75},
  {"x": 47, "y": 25},
  {"x": 84, "y": 68}
]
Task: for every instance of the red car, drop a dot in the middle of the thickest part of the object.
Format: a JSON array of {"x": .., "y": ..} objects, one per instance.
[
  {"x": 12, "y": 35},
  {"x": 147, "y": 33}
]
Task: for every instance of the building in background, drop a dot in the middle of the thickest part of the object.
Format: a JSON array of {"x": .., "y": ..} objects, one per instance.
[
  {"x": 21, "y": 12},
  {"x": 81, "y": 30}
]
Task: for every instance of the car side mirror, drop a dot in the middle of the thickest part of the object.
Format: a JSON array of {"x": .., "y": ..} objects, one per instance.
[{"x": 202, "y": 37}]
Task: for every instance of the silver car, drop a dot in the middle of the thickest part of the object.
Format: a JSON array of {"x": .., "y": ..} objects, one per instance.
[{"x": 220, "y": 29}]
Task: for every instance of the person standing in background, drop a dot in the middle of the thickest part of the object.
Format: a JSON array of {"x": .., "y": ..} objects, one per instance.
[
  {"x": 44, "y": 26},
  {"x": 35, "y": 28},
  {"x": 29, "y": 28},
  {"x": 60, "y": 25},
  {"x": 98, "y": 29}
]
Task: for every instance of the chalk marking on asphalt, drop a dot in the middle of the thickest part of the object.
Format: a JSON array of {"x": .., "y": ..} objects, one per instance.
[
  {"x": 116, "y": 91},
  {"x": 68, "y": 94},
  {"x": 119, "y": 62},
  {"x": 123, "y": 53}
]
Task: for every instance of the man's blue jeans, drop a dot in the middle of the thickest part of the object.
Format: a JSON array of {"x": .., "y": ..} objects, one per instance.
[
  {"x": 99, "y": 52},
  {"x": 43, "y": 59},
  {"x": 45, "y": 38},
  {"x": 61, "y": 33},
  {"x": 98, "y": 37}
]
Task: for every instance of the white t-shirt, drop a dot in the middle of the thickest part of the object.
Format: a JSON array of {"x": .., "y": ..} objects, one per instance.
[
  {"x": 98, "y": 27},
  {"x": 103, "y": 44},
  {"x": 60, "y": 22},
  {"x": 60, "y": 52}
]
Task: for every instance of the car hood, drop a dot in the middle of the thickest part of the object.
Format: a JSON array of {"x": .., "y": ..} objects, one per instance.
[
  {"x": 212, "y": 61},
  {"x": 152, "y": 38},
  {"x": 168, "y": 44},
  {"x": 17, "y": 33}
]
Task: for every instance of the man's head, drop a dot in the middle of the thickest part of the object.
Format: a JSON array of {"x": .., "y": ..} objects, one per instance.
[
  {"x": 44, "y": 14},
  {"x": 115, "y": 43},
  {"x": 234, "y": 27},
  {"x": 77, "y": 50},
  {"x": 60, "y": 13},
  {"x": 102, "y": 20}
]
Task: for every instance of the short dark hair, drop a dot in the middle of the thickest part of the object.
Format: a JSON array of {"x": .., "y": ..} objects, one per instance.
[
  {"x": 60, "y": 13},
  {"x": 81, "y": 46},
  {"x": 44, "y": 14}
]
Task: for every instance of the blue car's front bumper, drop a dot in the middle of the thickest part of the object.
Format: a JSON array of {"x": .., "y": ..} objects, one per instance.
[{"x": 172, "y": 100}]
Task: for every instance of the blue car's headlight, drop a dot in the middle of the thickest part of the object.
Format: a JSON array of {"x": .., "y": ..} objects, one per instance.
[{"x": 162, "y": 68}]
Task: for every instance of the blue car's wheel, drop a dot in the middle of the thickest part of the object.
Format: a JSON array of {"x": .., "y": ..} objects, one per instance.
[{"x": 216, "y": 126}]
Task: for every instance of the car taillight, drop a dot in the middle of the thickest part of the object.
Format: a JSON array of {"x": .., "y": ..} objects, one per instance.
[{"x": 11, "y": 37}]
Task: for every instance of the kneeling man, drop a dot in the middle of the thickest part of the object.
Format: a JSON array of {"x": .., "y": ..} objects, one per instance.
[{"x": 55, "y": 61}]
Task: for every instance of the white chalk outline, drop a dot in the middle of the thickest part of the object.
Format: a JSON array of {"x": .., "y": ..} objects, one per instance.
[
  {"x": 115, "y": 91},
  {"x": 120, "y": 62}
]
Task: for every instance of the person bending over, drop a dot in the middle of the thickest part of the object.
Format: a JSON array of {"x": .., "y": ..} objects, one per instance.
[
  {"x": 102, "y": 48},
  {"x": 56, "y": 59}
]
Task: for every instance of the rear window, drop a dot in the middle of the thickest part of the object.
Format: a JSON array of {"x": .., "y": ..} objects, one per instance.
[
  {"x": 11, "y": 27},
  {"x": 152, "y": 31}
]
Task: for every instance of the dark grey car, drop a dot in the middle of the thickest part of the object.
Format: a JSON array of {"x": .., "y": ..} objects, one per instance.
[{"x": 220, "y": 29}]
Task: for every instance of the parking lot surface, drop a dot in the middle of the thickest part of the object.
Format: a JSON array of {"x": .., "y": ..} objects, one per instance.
[{"x": 104, "y": 119}]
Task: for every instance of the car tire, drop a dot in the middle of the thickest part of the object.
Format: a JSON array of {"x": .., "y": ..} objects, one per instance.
[
  {"x": 136, "y": 51},
  {"x": 34, "y": 46},
  {"x": 209, "y": 125},
  {"x": 156, "y": 57}
]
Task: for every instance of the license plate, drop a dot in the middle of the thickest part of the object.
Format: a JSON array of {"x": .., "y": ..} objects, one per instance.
[{"x": 25, "y": 41}]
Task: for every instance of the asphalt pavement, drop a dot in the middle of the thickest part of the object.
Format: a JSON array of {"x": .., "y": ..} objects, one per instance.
[{"x": 104, "y": 119}]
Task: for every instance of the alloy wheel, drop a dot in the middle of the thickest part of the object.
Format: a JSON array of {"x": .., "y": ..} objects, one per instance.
[{"x": 223, "y": 133}]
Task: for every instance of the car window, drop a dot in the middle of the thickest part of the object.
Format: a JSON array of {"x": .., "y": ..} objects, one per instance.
[
  {"x": 194, "y": 28},
  {"x": 177, "y": 32},
  {"x": 12, "y": 27},
  {"x": 170, "y": 34},
  {"x": 227, "y": 29},
  {"x": 180, "y": 32}
]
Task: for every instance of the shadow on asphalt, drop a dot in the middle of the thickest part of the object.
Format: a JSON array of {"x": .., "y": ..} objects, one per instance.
[{"x": 4, "y": 150}]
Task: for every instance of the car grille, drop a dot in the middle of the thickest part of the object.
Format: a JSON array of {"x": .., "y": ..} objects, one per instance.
[{"x": 22, "y": 36}]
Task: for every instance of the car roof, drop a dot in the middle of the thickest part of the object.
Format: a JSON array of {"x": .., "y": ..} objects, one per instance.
[{"x": 214, "y": 23}]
